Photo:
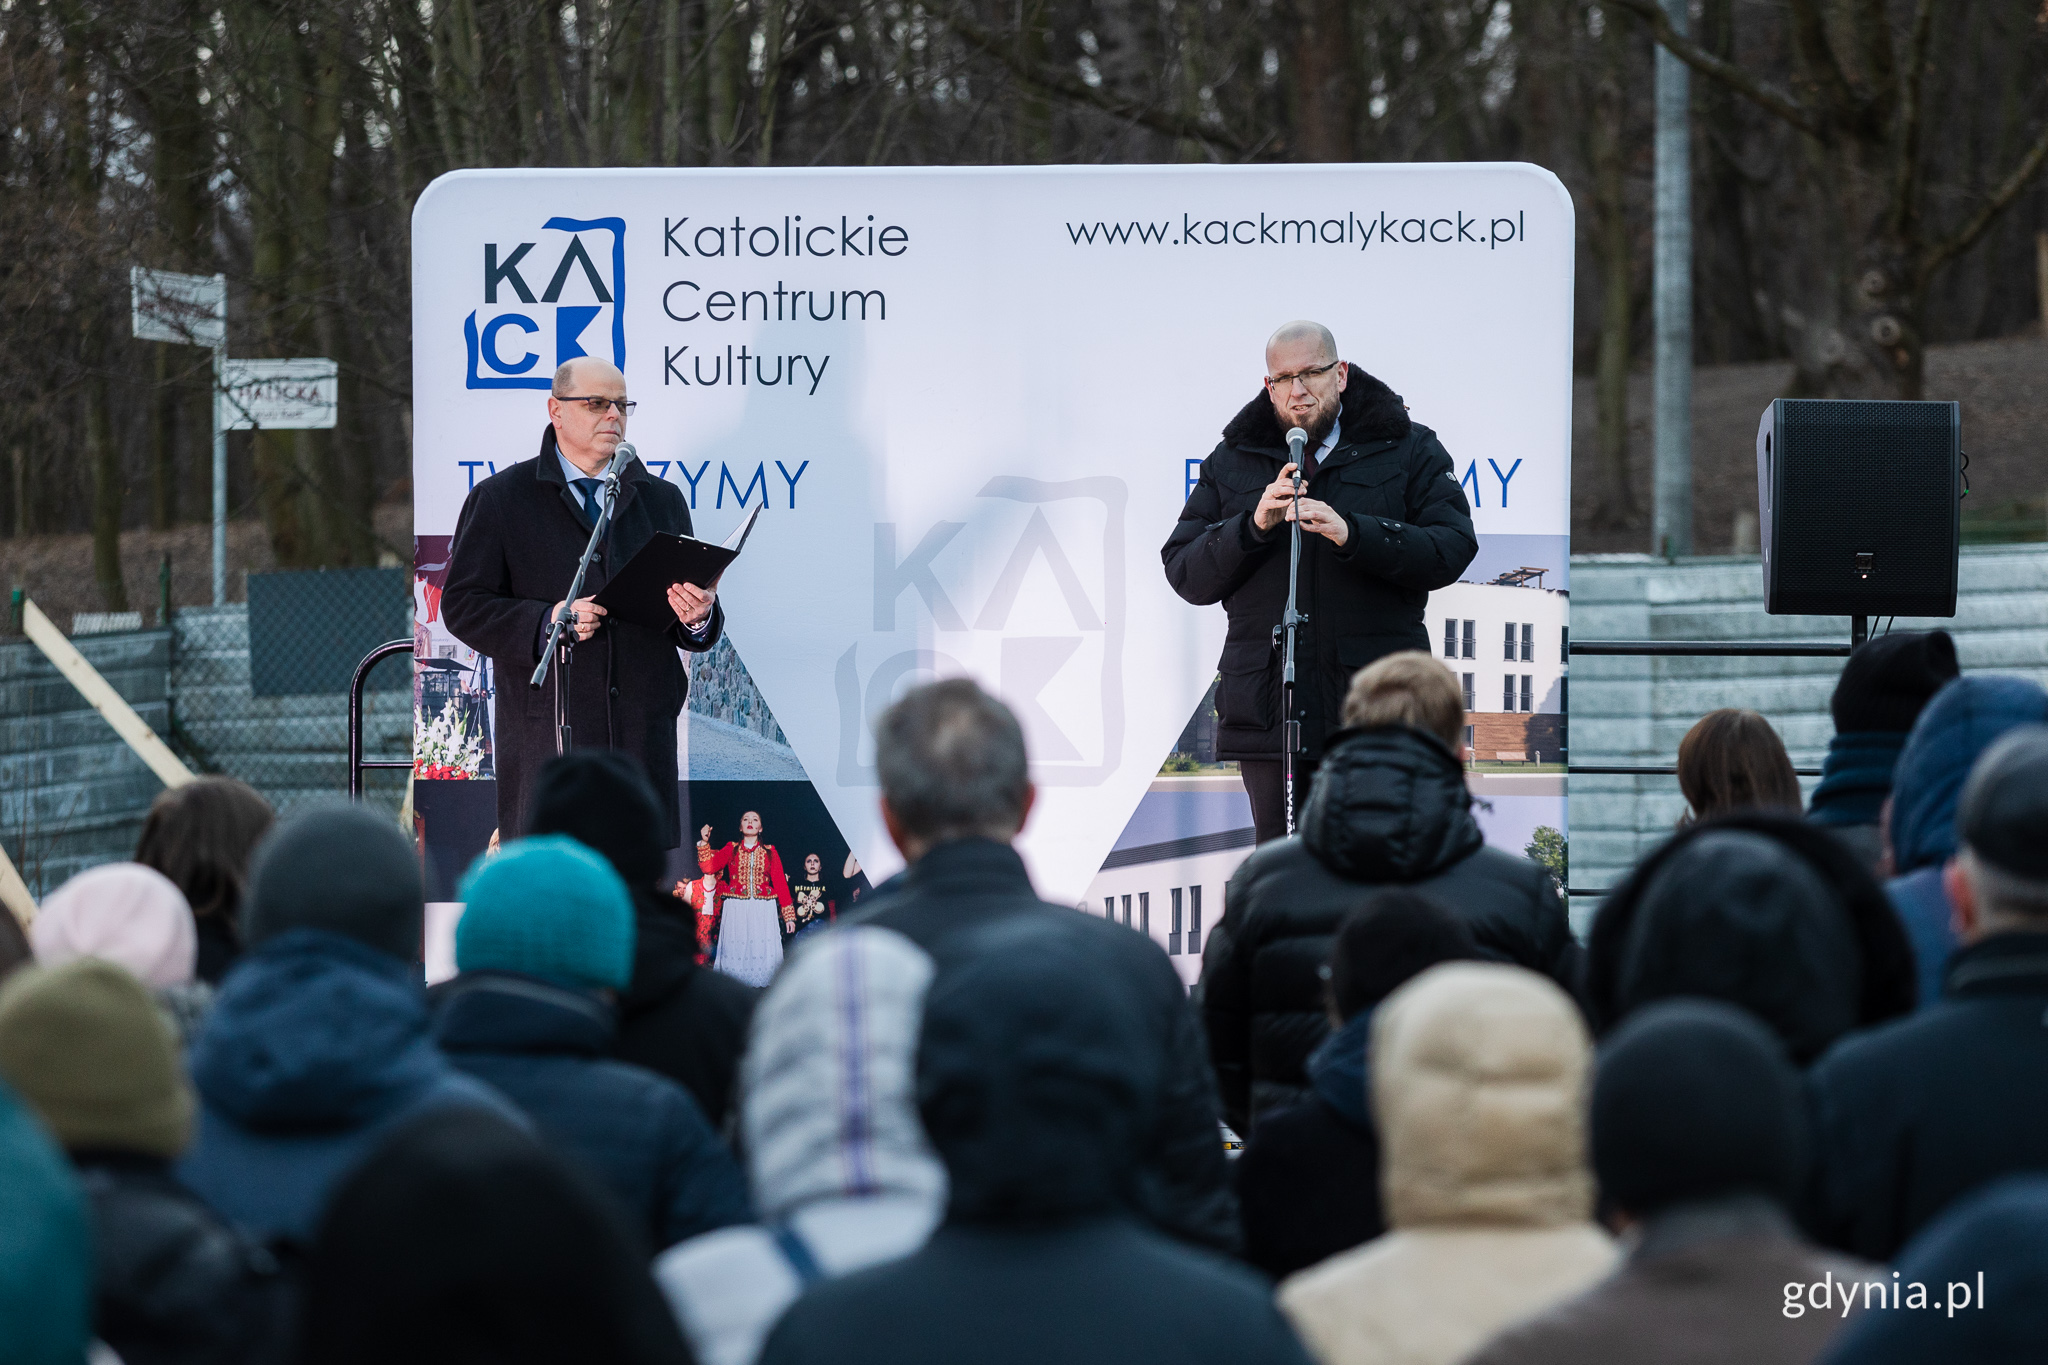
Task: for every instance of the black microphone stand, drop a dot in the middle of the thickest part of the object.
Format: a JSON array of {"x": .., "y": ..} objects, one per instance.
[
  {"x": 562, "y": 634},
  {"x": 1290, "y": 625}
]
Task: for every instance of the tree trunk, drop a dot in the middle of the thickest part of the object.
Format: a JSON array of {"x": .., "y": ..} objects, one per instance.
[
  {"x": 103, "y": 452},
  {"x": 1856, "y": 327},
  {"x": 1322, "y": 96},
  {"x": 1614, "y": 500}
]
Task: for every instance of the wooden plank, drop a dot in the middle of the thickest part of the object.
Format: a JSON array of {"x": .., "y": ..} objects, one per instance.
[
  {"x": 14, "y": 892},
  {"x": 103, "y": 698}
]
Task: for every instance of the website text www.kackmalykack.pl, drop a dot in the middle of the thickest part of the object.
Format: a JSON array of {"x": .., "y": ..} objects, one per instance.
[{"x": 1350, "y": 230}]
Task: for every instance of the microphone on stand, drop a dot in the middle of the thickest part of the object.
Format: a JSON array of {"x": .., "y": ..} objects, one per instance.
[
  {"x": 1297, "y": 441},
  {"x": 622, "y": 457}
]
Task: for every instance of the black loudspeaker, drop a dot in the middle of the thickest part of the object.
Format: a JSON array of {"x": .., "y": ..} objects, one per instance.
[{"x": 1858, "y": 502}]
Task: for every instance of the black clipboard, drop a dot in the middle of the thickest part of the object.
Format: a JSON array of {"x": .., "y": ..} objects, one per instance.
[{"x": 639, "y": 592}]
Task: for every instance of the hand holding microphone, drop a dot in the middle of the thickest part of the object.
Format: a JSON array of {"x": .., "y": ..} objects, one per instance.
[{"x": 1277, "y": 504}]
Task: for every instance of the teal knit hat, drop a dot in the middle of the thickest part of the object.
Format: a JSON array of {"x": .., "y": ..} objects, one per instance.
[{"x": 551, "y": 908}]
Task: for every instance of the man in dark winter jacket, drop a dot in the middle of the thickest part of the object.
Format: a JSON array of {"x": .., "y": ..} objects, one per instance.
[
  {"x": 1390, "y": 808},
  {"x": 317, "y": 1044},
  {"x": 956, "y": 788},
  {"x": 684, "y": 1021},
  {"x": 1384, "y": 520},
  {"x": 1881, "y": 692},
  {"x": 1759, "y": 910},
  {"x": 546, "y": 935},
  {"x": 1037, "y": 1076},
  {"x": 1995, "y": 1245},
  {"x": 518, "y": 540},
  {"x": 1955, "y": 729},
  {"x": 1699, "y": 1142},
  {"x": 1916, "y": 1114},
  {"x": 1308, "y": 1180},
  {"x": 173, "y": 1285}
]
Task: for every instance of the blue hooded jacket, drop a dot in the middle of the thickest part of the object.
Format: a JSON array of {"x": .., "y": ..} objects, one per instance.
[
  {"x": 316, "y": 1047},
  {"x": 1957, "y": 726},
  {"x": 45, "y": 1247}
]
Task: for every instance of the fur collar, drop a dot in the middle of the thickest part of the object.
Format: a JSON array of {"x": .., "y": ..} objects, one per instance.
[{"x": 1370, "y": 412}]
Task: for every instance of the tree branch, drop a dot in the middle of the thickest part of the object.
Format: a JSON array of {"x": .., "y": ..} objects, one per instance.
[
  {"x": 1912, "y": 79},
  {"x": 2001, "y": 200},
  {"x": 1073, "y": 88},
  {"x": 1765, "y": 96}
]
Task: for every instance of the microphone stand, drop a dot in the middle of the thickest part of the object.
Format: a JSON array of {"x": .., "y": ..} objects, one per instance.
[
  {"x": 561, "y": 634},
  {"x": 1290, "y": 626}
]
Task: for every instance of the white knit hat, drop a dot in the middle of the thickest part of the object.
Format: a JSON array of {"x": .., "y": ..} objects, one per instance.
[{"x": 125, "y": 913}]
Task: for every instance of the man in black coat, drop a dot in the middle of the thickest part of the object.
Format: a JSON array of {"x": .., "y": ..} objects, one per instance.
[
  {"x": 1914, "y": 1115},
  {"x": 1390, "y": 808},
  {"x": 516, "y": 547},
  {"x": 1384, "y": 521},
  {"x": 956, "y": 788}
]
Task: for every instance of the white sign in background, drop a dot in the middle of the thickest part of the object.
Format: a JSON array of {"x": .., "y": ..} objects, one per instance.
[
  {"x": 280, "y": 394},
  {"x": 969, "y": 398}
]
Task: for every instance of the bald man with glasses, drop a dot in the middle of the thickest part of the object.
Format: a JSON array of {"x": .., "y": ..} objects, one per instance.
[
  {"x": 516, "y": 547},
  {"x": 1384, "y": 521}
]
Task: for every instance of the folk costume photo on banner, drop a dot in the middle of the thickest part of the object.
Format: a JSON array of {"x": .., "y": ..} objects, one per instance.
[{"x": 756, "y": 908}]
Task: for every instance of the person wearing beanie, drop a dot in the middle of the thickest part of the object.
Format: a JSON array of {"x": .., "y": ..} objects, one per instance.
[
  {"x": 465, "y": 1240},
  {"x": 90, "y": 1051},
  {"x": 687, "y": 1023},
  {"x": 1759, "y": 909},
  {"x": 1884, "y": 686},
  {"x": 1958, "y": 725},
  {"x": 318, "y": 1042},
  {"x": 544, "y": 945},
  {"x": 1479, "y": 1075},
  {"x": 1915, "y": 1115},
  {"x": 1699, "y": 1144},
  {"x": 45, "y": 1246},
  {"x": 1308, "y": 1180},
  {"x": 133, "y": 915},
  {"x": 1036, "y": 1079}
]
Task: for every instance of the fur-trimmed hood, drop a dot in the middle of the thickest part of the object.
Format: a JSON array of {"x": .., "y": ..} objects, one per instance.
[{"x": 1370, "y": 412}]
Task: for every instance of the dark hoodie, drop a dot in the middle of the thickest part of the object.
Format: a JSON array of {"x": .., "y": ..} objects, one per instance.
[
  {"x": 1957, "y": 726},
  {"x": 1035, "y": 1074},
  {"x": 1410, "y": 532},
  {"x": 1390, "y": 808},
  {"x": 1763, "y": 911}
]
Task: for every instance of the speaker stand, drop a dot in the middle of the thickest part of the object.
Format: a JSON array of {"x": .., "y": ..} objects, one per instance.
[{"x": 1859, "y": 630}]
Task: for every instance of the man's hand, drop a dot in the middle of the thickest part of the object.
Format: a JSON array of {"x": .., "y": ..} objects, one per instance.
[
  {"x": 1324, "y": 520},
  {"x": 588, "y": 615},
  {"x": 1274, "y": 502},
  {"x": 691, "y": 604}
]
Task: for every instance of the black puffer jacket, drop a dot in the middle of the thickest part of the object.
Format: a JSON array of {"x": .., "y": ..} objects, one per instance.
[
  {"x": 1781, "y": 919},
  {"x": 177, "y": 1285},
  {"x": 1390, "y": 808},
  {"x": 1411, "y": 532}
]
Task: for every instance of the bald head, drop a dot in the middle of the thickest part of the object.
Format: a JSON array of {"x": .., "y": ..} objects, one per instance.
[
  {"x": 577, "y": 375},
  {"x": 1295, "y": 338}
]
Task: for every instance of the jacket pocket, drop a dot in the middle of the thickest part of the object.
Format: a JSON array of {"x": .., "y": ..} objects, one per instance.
[
  {"x": 1248, "y": 690},
  {"x": 1372, "y": 488}
]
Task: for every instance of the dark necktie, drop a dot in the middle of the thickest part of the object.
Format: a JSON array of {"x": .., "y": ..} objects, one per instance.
[
  {"x": 1308, "y": 464},
  {"x": 589, "y": 487}
]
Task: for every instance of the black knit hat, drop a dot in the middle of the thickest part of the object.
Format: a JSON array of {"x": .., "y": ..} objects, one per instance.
[
  {"x": 1693, "y": 1100},
  {"x": 2002, "y": 816},
  {"x": 603, "y": 801},
  {"x": 1395, "y": 935},
  {"x": 343, "y": 869},
  {"x": 1888, "y": 679}
]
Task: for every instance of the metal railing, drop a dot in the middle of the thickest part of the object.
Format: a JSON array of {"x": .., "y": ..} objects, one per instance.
[
  {"x": 356, "y": 762},
  {"x": 1859, "y": 631}
]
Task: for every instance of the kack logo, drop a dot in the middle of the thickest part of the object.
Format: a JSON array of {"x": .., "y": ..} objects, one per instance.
[{"x": 576, "y": 294}]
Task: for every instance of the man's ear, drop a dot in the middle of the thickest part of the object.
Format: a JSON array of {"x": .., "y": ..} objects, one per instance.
[
  {"x": 897, "y": 835},
  {"x": 1962, "y": 900},
  {"x": 1343, "y": 374}
]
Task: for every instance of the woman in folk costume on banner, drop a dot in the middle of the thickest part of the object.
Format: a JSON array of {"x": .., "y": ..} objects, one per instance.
[
  {"x": 702, "y": 895},
  {"x": 756, "y": 909}
]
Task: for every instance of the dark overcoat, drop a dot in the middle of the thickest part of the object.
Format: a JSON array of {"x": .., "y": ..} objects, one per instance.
[
  {"x": 1411, "y": 532},
  {"x": 516, "y": 546}
]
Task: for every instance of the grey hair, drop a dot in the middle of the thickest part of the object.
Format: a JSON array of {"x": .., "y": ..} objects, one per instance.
[
  {"x": 2004, "y": 898},
  {"x": 952, "y": 764},
  {"x": 1301, "y": 330}
]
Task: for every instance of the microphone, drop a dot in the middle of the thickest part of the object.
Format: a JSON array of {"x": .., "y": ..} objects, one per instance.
[
  {"x": 1297, "y": 441},
  {"x": 622, "y": 457}
]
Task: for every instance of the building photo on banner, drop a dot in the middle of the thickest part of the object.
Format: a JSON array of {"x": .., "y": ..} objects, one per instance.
[{"x": 970, "y": 404}]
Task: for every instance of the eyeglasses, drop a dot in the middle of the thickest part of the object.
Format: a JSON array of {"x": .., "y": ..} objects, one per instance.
[
  {"x": 598, "y": 405},
  {"x": 1282, "y": 381}
]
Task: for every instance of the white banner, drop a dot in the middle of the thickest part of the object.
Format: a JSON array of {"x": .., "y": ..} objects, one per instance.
[{"x": 973, "y": 401}]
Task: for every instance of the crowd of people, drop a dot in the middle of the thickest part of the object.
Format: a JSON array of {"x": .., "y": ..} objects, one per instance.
[{"x": 1785, "y": 1100}]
